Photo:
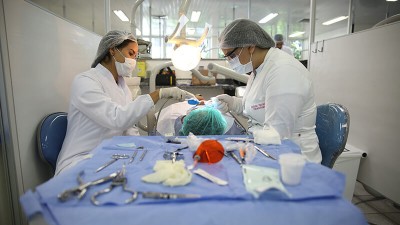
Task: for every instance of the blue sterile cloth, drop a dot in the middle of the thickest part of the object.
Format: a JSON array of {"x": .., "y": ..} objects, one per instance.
[{"x": 317, "y": 200}]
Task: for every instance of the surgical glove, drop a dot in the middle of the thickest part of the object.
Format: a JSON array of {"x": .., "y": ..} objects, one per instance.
[
  {"x": 175, "y": 93},
  {"x": 227, "y": 103}
]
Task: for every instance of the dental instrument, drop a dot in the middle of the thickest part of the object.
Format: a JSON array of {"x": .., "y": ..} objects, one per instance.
[
  {"x": 163, "y": 195},
  {"x": 119, "y": 180},
  {"x": 133, "y": 156},
  {"x": 143, "y": 155},
  {"x": 235, "y": 157},
  {"x": 114, "y": 157},
  {"x": 81, "y": 189},
  {"x": 264, "y": 153}
]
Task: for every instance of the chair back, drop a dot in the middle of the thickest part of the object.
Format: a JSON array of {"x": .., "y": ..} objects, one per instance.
[
  {"x": 50, "y": 137},
  {"x": 332, "y": 128}
]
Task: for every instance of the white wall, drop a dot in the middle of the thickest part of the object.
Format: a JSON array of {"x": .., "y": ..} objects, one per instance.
[
  {"x": 361, "y": 71},
  {"x": 45, "y": 53}
]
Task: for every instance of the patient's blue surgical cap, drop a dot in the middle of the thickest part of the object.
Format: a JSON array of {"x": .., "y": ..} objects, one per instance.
[
  {"x": 244, "y": 33},
  {"x": 204, "y": 121},
  {"x": 111, "y": 40}
]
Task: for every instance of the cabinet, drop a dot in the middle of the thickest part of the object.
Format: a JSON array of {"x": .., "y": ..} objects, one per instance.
[{"x": 348, "y": 164}]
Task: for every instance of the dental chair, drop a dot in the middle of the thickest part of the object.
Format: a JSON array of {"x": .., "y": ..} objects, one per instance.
[
  {"x": 332, "y": 128},
  {"x": 50, "y": 137}
]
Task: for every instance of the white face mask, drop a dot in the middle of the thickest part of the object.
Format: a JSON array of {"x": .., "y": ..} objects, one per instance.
[
  {"x": 240, "y": 68},
  {"x": 126, "y": 68}
]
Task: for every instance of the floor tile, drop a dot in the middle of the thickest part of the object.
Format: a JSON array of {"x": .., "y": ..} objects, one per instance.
[
  {"x": 355, "y": 200},
  {"x": 378, "y": 219},
  {"x": 395, "y": 217},
  {"x": 368, "y": 198},
  {"x": 359, "y": 189},
  {"x": 365, "y": 208},
  {"x": 384, "y": 206}
]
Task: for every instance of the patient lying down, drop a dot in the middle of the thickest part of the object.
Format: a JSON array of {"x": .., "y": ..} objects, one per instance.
[{"x": 181, "y": 119}]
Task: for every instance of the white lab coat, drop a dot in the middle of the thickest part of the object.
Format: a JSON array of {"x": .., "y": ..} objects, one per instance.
[
  {"x": 288, "y": 50},
  {"x": 99, "y": 109},
  {"x": 281, "y": 96}
]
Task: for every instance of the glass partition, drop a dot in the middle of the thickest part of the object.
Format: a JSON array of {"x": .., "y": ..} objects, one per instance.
[
  {"x": 156, "y": 19},
  {"x": 331, "y": 23},
  {"x": 88, "y": 14}
]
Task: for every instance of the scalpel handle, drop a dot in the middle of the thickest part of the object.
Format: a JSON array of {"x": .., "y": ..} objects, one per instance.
[{"x": 264, "y": 153}]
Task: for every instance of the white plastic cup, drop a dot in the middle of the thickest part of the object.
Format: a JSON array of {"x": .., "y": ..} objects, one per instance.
[{"x": 291, "y": 168}]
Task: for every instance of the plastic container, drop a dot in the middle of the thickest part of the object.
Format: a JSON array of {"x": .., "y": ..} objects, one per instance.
[{"x": 291, "y": 168}]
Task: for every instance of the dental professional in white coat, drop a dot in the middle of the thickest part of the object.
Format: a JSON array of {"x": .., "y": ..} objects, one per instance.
[
  {"x": 279, "y": 43},
  {"x": 279, "y": 94},
  {"x": 101, "y": 103}
]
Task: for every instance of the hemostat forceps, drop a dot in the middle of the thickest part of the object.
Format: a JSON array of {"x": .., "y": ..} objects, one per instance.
[
  {"x": 80, "y": 190},
  {"x": 119, "y": 180}
]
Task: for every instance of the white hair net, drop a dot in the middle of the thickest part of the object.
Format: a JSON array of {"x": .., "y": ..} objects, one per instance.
[
  {"x": 243, "y": 33},
  {"x": 111, "y": 40}
]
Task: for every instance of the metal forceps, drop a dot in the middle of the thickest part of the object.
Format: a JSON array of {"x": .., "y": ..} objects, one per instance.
[
  {"x": 119, "y": 180},
  {"x": 80, "y": 190},
  {"x": 114, "y": 157}
]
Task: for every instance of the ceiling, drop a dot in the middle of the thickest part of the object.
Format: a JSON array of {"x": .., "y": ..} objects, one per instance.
[{"x": 293, "y": 14}]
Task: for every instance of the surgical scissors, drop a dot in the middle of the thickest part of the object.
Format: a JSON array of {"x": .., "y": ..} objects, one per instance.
[
  {"x": 119, "y": 180},
  {"x": 81, "y": 189}
]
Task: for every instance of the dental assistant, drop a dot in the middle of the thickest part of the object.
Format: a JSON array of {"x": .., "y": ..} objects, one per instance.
[
  {"x": 101, "y": 103},
  {"x": 279, "y": 93}
]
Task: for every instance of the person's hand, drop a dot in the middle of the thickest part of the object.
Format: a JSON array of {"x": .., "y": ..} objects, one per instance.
[
  {"x": 175, "y": 93},
  {"x": 227, "y": 103}
]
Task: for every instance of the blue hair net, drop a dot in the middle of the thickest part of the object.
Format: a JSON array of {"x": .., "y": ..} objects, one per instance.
[{"x": 203, "y": 121}]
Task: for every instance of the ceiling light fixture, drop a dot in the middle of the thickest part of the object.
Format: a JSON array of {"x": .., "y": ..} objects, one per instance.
[
  {"x": 391, "y": 0},
  {"x": 195, "y": 16},
  {"x": 121, "y": 15},
  {"x": 335, "y": 20},
  {"x": 268, "y": 17},
  {"x": 296, "y": 34}
]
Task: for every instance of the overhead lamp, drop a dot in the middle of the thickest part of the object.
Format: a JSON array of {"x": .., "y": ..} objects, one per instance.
[
  {"x": 121, "y": 15},
  {"x": 296, "y": 34},
  {"x": 391, "y": 0},
  {"x": 335, "y": 20},
  {"x": 195, "y": 16},
  {"x": 268, "y": 17},
  {"x": 186, "y": 57}
]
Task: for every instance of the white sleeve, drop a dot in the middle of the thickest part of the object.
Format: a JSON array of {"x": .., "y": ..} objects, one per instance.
[
  {"x": 89, "y": 97},
  {"x": 282, "y": 112},
  {"x": 284, "y": 99}
]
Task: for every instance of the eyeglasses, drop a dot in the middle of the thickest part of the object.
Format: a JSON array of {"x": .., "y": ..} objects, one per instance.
[{"x": 231, "y": 53}]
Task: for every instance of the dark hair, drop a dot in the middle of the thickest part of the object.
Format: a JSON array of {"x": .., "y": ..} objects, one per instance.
[{"x": 107, "y": 57}]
